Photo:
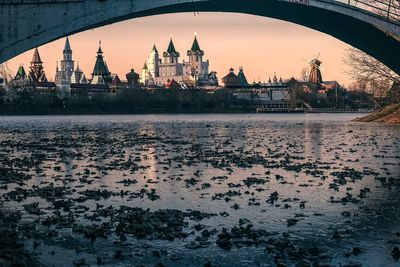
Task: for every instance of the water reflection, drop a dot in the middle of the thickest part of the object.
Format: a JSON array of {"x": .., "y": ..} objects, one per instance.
[
  {"x": 312, "y": 140},
  {"x": 337, "y": 181}
]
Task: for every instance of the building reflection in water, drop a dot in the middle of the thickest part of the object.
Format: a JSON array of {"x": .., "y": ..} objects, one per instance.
[{"x": 312, "y": 140}]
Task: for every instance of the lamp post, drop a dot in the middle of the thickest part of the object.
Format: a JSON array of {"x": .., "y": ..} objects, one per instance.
[{"x": 336, "y": 93}]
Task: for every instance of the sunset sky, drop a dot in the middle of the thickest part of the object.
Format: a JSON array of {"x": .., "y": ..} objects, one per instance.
[{"x": 261, "y": 45}]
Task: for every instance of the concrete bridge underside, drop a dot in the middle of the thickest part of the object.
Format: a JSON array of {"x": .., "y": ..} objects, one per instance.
[{"x": 25, "y": 24}]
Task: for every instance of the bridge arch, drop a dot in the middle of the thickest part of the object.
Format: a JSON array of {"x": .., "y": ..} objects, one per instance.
[{"x": 30, "y": 23}]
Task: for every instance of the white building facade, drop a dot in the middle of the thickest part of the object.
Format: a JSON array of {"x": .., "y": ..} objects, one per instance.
[
  {"x": 158, "y": 72},
  {"x": 67, "y": 74}
]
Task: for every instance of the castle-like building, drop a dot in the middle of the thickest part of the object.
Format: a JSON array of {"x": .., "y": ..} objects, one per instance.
[
  {"x": 36, "y": 73},
  {"x": 68, "y": 74},
  {"x": 158, "y": 72},
  {"x": 101, "y": 74}
]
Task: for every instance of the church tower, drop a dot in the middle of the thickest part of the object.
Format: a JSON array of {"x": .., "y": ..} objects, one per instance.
[
  {"x": 101, "y": 74},
  {"x": 195, "y": 59},
  {"x": 152, "y": 62},
  {"x": 171, "y": 56},
  {"x": 36, "y": 73},
  {"x": 67, "y": 64}
]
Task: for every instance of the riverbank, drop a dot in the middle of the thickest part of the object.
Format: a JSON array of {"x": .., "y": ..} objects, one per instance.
[
  {"x": 389, "y": 114},
  {"x": 93, "y": 110}
]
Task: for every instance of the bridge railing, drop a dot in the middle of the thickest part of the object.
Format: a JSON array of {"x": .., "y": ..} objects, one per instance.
[{"x": 389, "y": 9}]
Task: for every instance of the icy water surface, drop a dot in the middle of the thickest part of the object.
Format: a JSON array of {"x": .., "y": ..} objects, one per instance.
[{"x": 203, "y": 190}]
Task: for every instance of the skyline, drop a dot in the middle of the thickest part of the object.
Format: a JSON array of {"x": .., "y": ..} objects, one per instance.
[{"x": 262, "y": 46}]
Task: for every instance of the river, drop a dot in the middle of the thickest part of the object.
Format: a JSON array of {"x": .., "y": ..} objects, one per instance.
[{"x": 192, "y": 190}]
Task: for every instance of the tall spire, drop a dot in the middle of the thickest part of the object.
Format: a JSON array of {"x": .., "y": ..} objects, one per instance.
[
  {"x": 36, "y": 73},
  {"x": 195, "y": 49},
  {"x": 242, "y": 77},
  {"x": 21, "y": 74},
  {"x": 67, "y": 63},
  {"x": 154, "y": 48},
  {"x": 171, "y": 47},
  {"x": 195, "y": 45},
  {"x": 67, "y": 46},
  {"x": 100, "y": 67},
  {"x": 77, "y": 65},
  {"x": 100, "y": 51},
  {"x": 36, "y": 57}
]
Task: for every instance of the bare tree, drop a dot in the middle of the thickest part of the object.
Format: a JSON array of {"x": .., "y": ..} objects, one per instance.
[
  {"x": 5, "y": 72},
  {"x": 304, "y": 74},
  {"x": 364, "y": 69}
]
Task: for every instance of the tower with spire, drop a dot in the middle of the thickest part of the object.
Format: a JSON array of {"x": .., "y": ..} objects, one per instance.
[
  {"x": 101, "y": 73},
  {"x": 152, "y": 62},
  {"x": 171, "y": 56},
  {"x": 169, "y": 68},
  {"x": 196, "y": 68},
  {"x": 36, "y": 73},
  {"x": 242, "y": 78},
  {"x": 195, "y": 55},
  {"x": 67, "y": 64},
  {"x": 64, "y": 74}
]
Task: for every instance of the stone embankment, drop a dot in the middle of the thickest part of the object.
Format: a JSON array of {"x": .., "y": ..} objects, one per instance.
[{"x": 389, "y": 114}]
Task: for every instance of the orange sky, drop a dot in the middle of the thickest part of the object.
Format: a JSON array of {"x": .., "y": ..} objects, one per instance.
[{"x": 261, "y": 45}]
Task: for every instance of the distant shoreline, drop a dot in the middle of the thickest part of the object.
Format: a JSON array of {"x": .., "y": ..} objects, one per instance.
[
  {"x": 110, "y": 111},
  {"x": 62, "y": 112}
]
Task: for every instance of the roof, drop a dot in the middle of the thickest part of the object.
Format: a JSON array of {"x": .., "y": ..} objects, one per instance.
[
  {"x": 242, "y": 78},
  {"x": 316, "y": 61},
  {"x": 21, "y": 74},
  {"x": 116, "y": 80},
  {"x": 172, "y": 84},
  {"x": 231, "y": 80},
  {"x": 195, "y": 45},
  {"x": 144, "y": 66},
  {"x": 171, "y": 47},
  {"x": 132, "y": 74},
  {"x": 36, "y": 57},
  {"x": 154, "y": 48},
  {"x": 77, "y": 68},
  {"x": 100, "y": 67},
  {"x": 195, "y": 49},
  {"x": 99, "y": 51},
  {"x": 67, "y": 46}
]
